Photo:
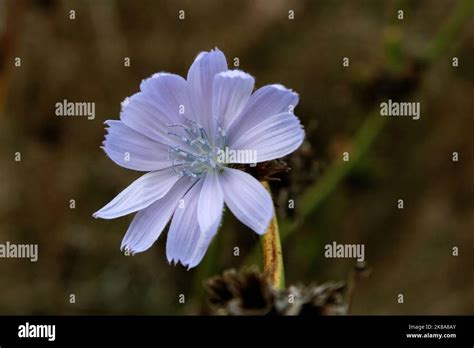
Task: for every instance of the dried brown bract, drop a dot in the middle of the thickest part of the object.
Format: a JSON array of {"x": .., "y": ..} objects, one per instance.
[{"x": 248, "y": 293}]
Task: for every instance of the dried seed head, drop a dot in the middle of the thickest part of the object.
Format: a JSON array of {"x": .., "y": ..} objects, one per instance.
[{"x": 248, "y": 293}]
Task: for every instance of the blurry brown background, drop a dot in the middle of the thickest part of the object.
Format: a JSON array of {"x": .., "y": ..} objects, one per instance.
[{"x": 409, "y": 250}]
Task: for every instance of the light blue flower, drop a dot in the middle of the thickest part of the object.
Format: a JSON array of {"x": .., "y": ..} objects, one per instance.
[{"x": 174, "y": 129}]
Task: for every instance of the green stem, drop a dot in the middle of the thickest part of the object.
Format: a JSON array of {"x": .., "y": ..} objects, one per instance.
[
  {"x": 463, "y": 10},
  {"x": 272, "y": 256}
]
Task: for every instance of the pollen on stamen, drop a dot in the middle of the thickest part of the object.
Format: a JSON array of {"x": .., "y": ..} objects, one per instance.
[{"x": 199, "y": 156}]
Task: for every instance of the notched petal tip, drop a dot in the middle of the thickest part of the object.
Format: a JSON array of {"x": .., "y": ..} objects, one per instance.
[
  {"x": 125, "y": 102},
  {"x": 202, "y": 54},
  {"x": 152, "y": 77},
  {"x": 283, "y": 88},
  {"x": 129, "y": 250},
  {"x": 159, "y": 74},
  {"x": 235, "y": 74},
  {"x": 100, "y": 215},
  {"x": 185, "y": 264},
  {"x": 108, "y": 125}
]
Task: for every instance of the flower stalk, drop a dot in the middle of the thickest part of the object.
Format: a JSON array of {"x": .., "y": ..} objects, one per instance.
[{"x": 272, "y": 256}]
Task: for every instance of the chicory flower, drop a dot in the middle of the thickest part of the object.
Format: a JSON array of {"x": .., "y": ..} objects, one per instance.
[{"x": 189, "y": 135}]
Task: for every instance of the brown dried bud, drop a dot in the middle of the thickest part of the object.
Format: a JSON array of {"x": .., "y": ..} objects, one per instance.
[
  {"x": 266, "y": 171},
  {"x": 245, "y": 293},
  {"x": 248, "y": 293}
]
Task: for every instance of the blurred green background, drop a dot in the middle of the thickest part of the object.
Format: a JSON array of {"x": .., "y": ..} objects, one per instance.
[{"x": 409, "y": 251}]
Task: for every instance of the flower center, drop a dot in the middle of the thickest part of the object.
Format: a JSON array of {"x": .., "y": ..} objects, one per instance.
[{"x": 198, "y": 154}]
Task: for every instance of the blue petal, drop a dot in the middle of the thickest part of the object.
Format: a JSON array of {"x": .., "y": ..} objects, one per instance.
[
  {"x": 148, "y": 224},
  {"x": 140, "y": 194},
  {"x": 248, "y": 200},
  {"x": 273, "y": 138},
  {"x": 163, "y": 100},
  {"x": 266, "y": 102},
  {"x": 232, "y": 90},
  {"x": 200, "y": 86},
  {"x": 211, "y": 203},
  {"x": 184, "y": 229},
  {"x": 133, "y": 150},
  {"x": 186, "y": 242}
]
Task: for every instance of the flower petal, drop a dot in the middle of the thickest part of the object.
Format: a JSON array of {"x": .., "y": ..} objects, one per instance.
[
  {"x": 148, "y": 224},
  {"x": 200, "y": 86},
  {"x": 273, "y": 138},
  {"x": 201, "y": 246},
  {"x": 211, "y": 202},
  {"x": 163, "y": 100},
  {"x": 184, "y": 229},
  {"x": 266, "y": 102},
  {"x": 247, "y": 199},
  {"x": 232, "y": 89},
  {"x": 133, "y": 150},
  {"x": 187, "y": 243},
  {"x": 140, "y": 194}
]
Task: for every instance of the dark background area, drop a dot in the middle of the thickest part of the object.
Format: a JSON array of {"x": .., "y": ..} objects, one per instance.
[{"x": 409, "y": 251}]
